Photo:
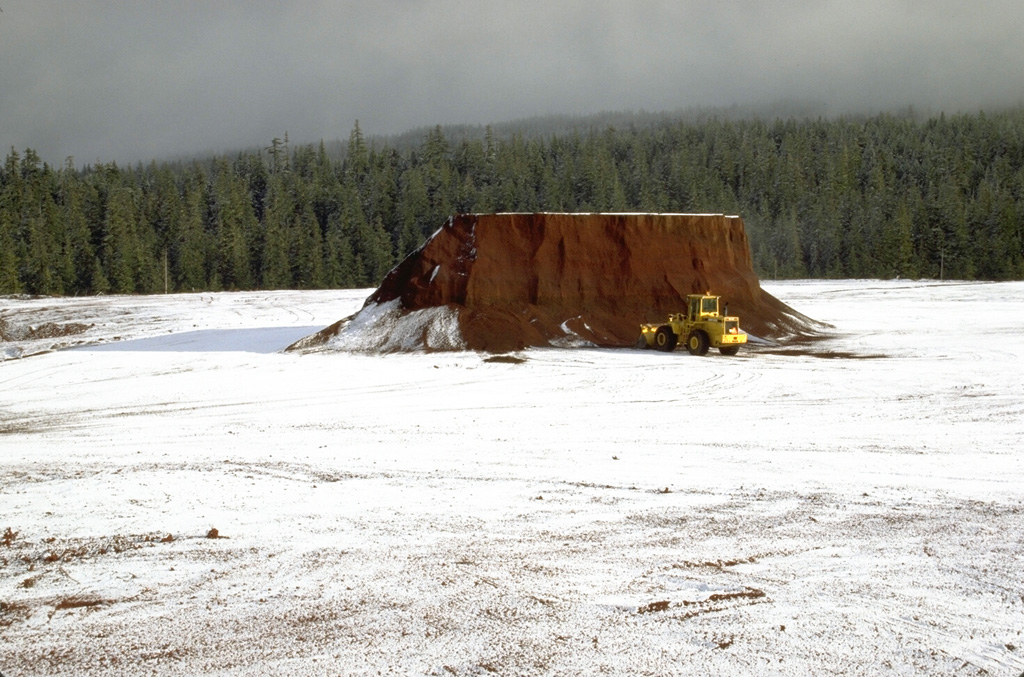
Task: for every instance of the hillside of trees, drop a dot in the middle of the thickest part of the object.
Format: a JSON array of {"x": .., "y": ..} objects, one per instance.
[{"x": 883, "y": 196}]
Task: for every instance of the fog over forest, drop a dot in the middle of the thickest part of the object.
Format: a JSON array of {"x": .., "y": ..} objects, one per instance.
[{"x": 129, "y": 82}]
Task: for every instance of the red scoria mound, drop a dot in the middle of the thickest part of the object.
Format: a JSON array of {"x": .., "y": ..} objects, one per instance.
[{"x": 501, "y": 282}]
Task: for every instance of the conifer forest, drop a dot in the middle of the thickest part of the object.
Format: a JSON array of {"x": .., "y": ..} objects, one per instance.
[{"x": 852, "y": 197}]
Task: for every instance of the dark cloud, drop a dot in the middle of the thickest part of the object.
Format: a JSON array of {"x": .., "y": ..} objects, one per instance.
[{"x": 127, "y": 81}]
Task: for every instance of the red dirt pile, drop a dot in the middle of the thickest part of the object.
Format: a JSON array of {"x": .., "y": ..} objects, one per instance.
[{"x": 514, "y": 280}]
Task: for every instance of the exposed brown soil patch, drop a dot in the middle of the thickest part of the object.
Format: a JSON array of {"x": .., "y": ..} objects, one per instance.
[
  {"x": 717, "y": 564},
  {"x": 505, "y": 359},
  {"x": 46, "y": 330},
  {"x": 79, "y": 602},
  {"x": 821, "y": 354},
  {"x": 716, "y": 602},
  {"x": 55, "y": 330},
  {"x": 653, "y": 607},
  {"x": 13, "y": 612}
]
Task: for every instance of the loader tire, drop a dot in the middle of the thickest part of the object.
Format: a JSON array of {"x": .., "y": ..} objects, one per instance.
[
  {"x": 665, "y": 339},
  {"x": 697, "y": 343},
  {"x": 729, "y": 350}
]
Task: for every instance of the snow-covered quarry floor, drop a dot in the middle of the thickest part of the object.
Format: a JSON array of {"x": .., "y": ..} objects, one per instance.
[{"x": 858, "y": 509}]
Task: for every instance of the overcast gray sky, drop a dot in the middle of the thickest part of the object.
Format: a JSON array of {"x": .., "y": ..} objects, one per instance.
[{"x": 135, "y": 80}]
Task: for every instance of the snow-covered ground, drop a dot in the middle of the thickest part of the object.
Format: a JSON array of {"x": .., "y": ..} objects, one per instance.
[{"x": 855, "y": 508}]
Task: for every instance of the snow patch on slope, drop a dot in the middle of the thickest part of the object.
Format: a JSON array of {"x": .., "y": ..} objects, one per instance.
[
  {"x": 385, "y": 327},
  {"x": 571, "y": 338},
  {"x": 10, "y": 352}
]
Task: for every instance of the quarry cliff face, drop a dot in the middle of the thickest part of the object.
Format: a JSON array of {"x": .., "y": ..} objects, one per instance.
[{"x": 501, "y": 282}]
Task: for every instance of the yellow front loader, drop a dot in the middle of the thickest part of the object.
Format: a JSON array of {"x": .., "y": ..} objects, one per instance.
[{"x": 701, "y": 327}]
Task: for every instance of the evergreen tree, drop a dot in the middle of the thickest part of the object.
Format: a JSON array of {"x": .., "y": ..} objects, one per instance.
[
  {"x": 339, "y": 260},
  {"x": 276, "y": 260},
  {"x": 309, "y": 252},
  {"x": 413, "y": 210},
  {"x": 38, "y": 225},
  {"x": 188, "y": 241},
  {"x": 10, "y": 220},
  {"x": 235, "y": 226},
  {"x": 77, "y": 251},
  {"x": 9, "y": 281}
]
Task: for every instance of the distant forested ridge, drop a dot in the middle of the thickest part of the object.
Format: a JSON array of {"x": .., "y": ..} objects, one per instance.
[{"x": 883, "y": 196}]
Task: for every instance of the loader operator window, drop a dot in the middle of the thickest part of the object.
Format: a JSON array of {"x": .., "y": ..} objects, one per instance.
[{"x": 710, "y": 306}]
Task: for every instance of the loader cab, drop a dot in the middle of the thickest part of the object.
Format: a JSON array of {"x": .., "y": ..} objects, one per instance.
[{"x": 701, "y": 306}]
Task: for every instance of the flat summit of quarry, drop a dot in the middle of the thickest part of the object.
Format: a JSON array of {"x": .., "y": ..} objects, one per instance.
[{"x": 179, "y": 496}]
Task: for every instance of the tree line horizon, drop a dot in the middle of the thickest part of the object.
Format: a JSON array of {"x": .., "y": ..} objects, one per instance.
[{"x": 879, "y": 196}]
